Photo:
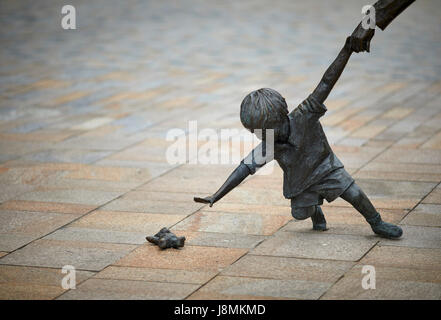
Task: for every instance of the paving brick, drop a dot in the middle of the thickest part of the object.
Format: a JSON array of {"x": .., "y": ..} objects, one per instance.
[
  {"x": 240, "y": 208},
  {"x": 32, "y": 223},
  {"x": 422, "y": 156},
  {"x": 149, "y": 206},
  {"x": 223, "y": 222},
  {"x": 350, "y": 287},
  {"x": 159, "y": 275},
  {"x": 401, "y": 189},
  {"x": 34, "y": 283},
  {"x": 428, "y": 215},
  {"x": 90, "y": 256},
  {"x": 398, "y": 113},
  {"x": 403, "y": 257},
  {"x": 434, "y": 197},
  {"x": 379, "y": 202},
  {"x": 224, "y": 288},
  {"x": 227, "y": 240},
  {"x": 97, "y": 235},
  {"x": 403, "y": 167},
  {"x": 39, "y": 135},
  {"x": 188, "y": 258},
  {"x": 160, "y": 196},
  {"x": 24, "y": 291},
  {"x": 13, "y": 241},
  {"x": 417, "y": 237},
  {"x": 253, "y": 195},
  {"x": 434, "y": 142},
  {"x": 77, "y": 209},
  {"x": 75, "y": 196},
  {"x": 316, "y": 246},
  {"x": 368, "y": 131},
  {"x": 399, "y": 176},
  {"x": 13, "y": 191},
  {"x": 107, "y": 289},
  {"x": 127, "y": 221},
  {"x": 110, "y": 174},
  {"x": 80, "y": 156},
  {"x": 288, "y": 268},
  {"x": 93, "y": 123}
]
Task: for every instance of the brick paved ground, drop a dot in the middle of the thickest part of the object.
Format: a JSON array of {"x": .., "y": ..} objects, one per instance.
[{"x": 83, "y": 176}]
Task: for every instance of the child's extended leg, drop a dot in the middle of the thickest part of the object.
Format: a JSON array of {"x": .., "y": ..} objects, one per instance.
[
  {"x": 313, "y": 212},
  {"x": 355, "y": 196}
]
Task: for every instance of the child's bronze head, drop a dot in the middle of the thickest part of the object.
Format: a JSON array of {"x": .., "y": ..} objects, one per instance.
[{"x": 264, "y": 109}]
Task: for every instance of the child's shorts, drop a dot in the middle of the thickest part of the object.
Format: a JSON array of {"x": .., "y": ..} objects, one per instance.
[{"x": 329, "y": 188}]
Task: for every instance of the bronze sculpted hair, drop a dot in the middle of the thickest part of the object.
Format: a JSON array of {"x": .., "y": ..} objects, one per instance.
[{"x": 263, "y": 109}]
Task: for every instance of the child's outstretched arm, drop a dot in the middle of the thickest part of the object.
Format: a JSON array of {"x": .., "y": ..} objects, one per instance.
[
  {"x": 235, "y": 178},
  {"x": 257, "y": 158},
  {"x": 359, "y": 41}
]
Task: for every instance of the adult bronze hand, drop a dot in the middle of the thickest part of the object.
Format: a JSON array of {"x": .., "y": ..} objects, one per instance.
[{"x": 360, "y": 40}]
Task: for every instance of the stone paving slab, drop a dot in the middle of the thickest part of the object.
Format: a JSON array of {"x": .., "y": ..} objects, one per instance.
[
  {"x": 56, "y": 254},
  {"x": 434, "y": 197},
  {"x": 97, "y": 235},
  {"x": 110, "y": 289},
  {"x": 424, "y": 215},
  {"x": 190, "y": 258},
  {"x": 271, "y": 267},
  {"x": 227, "y": 240},
  {"x": 225, "y": 222},
  {"x": 33, "y": 283},
  {"x": 223, "y": 287},
  {"x": 316, "y": 245},
  {"x": 12, "y": 241},
  {"x": 136, "y": 222},
  {"x": 32, "y": 223},
  {"x": 73, "y": 196},
  {"x": 409, "y": 285},
  {"x": 155, "y": 274},
  {"x": 403, "y": 257},
  {"x": 77, "y": 209},
  {"x": 417, "y": 237},
  {"x": 149, "y": 206}
]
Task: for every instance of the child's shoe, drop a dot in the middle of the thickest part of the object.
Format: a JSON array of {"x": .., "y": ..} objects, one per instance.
[
  {"x": 318, "y": 220},
  {"x": 384, "y": 229}
]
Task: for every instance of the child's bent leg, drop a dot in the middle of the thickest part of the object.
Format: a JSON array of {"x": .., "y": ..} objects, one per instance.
[
  {"x": 313, "y": 212},
  {"x": 358, "y": 199},
  {"x": 303, "y": 213}
]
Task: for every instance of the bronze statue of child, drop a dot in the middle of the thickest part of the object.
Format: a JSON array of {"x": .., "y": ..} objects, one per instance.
[{"x": 312, "y": 172}]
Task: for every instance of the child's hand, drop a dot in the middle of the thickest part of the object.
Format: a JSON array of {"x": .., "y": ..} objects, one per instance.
[
  {"x": 209, "y": 200},
  {"x": 360, "y": 40}
]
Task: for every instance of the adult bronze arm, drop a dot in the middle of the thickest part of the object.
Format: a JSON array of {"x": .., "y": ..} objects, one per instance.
[{"x": 385, "y": 12}]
